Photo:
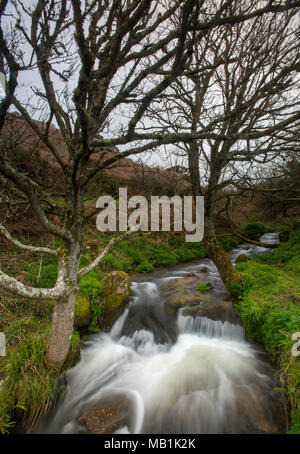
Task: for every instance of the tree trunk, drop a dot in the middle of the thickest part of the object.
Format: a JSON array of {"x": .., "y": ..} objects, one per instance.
[
  {"x": 220, "y": 257},
  {"x": 61, "y": 331},
  {"x": 64, "y": 309}
]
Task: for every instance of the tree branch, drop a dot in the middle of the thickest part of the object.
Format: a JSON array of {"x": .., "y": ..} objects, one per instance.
[
  {"x": 113, "y": 241},
  {"x": 8, "y": 236},
  {"x": 14, "y": 286}
]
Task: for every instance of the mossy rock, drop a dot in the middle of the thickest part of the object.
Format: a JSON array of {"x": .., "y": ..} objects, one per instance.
[
  {"x": 83, "y": 314},
  {"x": 242, "y": 258},
  {"x": 114, "y": 299}
]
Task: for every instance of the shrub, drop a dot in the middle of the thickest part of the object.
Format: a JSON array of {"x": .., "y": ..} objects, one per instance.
[
  {"x": 90, "y": 285},
  {"x": 165, "y": 257},
  {"x": 253, "y": 230},
  {"x": 145, "y": 267},
  {"x": 185, "y": 254},
  {"x": 92, "y": 290}
]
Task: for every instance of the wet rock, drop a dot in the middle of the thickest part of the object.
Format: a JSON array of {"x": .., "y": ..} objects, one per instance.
[
  {"x": 184, "y": 293},
  {"x": 223, "y": 310},
  {"x": 254, "y": 411},
  {"x": 162, "y": 325},
  {"x": 115, "y": 297},
  {"x": 204, "y": 269},
  {"x": 105, "y": 416}
]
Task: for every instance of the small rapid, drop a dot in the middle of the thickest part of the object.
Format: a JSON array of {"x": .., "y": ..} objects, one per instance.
[{"x": 168, "y": 368}]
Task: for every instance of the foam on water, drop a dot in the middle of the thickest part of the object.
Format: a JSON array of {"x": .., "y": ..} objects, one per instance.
[{"x": 189, "y": 387}]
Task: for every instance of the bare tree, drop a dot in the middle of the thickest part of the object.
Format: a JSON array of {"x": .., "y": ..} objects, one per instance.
[
  {"x": 98, "y": 65},
  {"x": 240, "y": 98},
  {"x": 276, "y": 190},
  {"x": 108, "y": 46}
]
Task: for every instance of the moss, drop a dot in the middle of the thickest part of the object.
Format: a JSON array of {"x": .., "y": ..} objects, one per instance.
[
  {"x": 242, "y": 258},
  {"x": 116, "y": 288},
  {"x": 83, "y": 313},
  {"x": 82, "y": 307},
  {"x": 115, "y": 295}
]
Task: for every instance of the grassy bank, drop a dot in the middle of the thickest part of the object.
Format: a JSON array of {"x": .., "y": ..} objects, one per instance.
[{"x": 269, "y": 303}]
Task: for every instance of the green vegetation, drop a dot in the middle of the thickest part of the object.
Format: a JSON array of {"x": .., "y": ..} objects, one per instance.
[
  {"x": 29, "y": 387},
  {"x": 229, "y": 242},
  {"x": 242, "y": 258},
  {"x": 82, "y": 307},
  {"x": 145, "y": 267},
  {"x": 90, "y": 292},
  {"x": 144, "y": 253},
  {"x": 253, "y": 230},
  {"x": 285, "y": 228},
  {"x": 269, "y": 303},
  {"x": 203, "y": 288}
]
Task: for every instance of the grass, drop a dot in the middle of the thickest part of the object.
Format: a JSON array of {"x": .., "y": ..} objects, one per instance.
[
  {"x": 143, "y": 253},
  {"x": 269, "y": 303},
  {"x": 29, "y": 387}
]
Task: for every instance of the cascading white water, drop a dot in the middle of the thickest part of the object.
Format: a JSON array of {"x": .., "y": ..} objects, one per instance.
[
  {"x": 210, "y": 328},
  {"x": 208, "y": 380}
]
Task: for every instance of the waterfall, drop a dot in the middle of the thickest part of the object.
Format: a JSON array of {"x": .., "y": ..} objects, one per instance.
[{"x": 204, "y": 326}]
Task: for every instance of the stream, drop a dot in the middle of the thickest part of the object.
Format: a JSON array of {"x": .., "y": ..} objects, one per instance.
[{"x": 176, "y": 361}]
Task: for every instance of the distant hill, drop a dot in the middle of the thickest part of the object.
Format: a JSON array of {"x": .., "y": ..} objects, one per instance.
[{"x": 32, "y": 152}]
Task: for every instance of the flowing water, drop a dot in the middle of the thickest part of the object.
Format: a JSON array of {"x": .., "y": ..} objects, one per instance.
[{"x": 177, "y": 368}]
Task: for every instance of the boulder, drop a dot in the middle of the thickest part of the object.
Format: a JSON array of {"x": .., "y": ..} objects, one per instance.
[
  {"x": 257, "y": 412},
  {"x": 184, "y": 293},
  {"x": 105, "y": 416},
  {"x": 204, "y": 269}
]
